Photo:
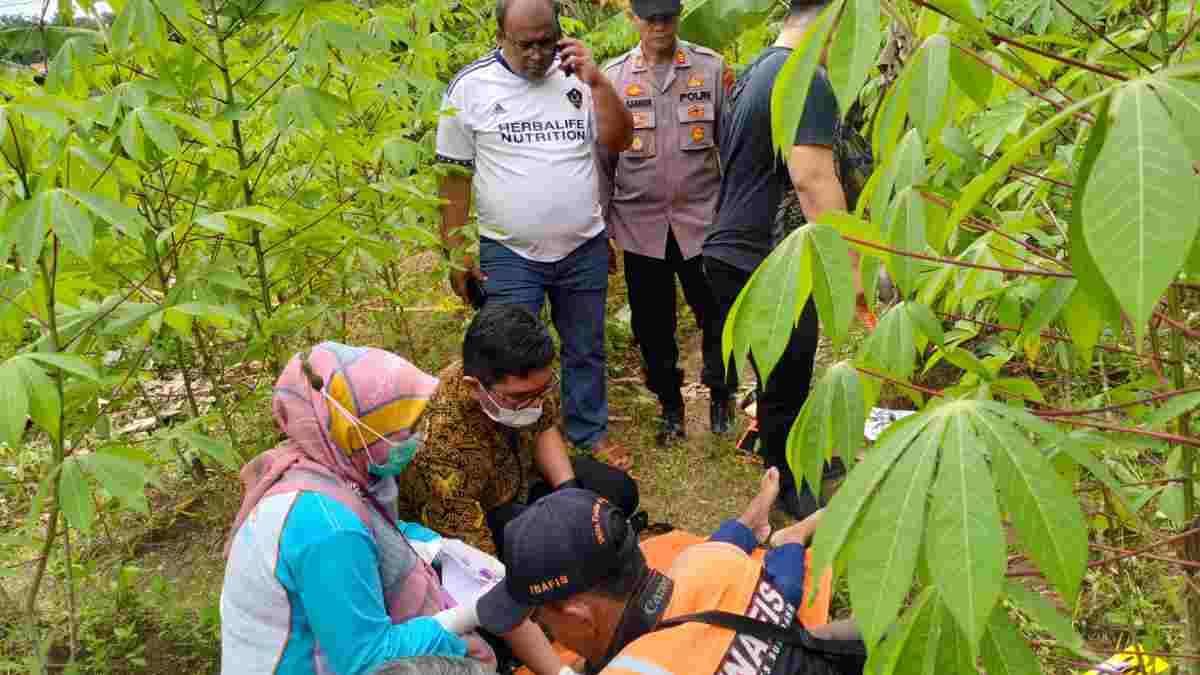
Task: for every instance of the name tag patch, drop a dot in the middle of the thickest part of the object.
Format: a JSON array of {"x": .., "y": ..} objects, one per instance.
[
  {"x": 644, "y": 102},
  {"x": 749, "y": 654}
]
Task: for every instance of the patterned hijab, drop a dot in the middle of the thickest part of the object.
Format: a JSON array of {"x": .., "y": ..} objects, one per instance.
[{"x": 381, "y": 390}]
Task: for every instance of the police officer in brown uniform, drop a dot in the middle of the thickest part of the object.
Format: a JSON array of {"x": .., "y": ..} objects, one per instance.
[{"x": 660, "y": 195}]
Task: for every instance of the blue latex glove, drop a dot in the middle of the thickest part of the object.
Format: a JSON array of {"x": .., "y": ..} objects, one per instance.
[{"x": 424, "y": 635}]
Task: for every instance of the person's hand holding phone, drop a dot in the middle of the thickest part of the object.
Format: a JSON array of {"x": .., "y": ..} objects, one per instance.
[{"x": 576, "y": 59}]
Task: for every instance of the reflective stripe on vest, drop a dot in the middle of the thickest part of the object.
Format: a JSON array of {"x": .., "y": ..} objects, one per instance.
[{"x": 638, "y": 666}]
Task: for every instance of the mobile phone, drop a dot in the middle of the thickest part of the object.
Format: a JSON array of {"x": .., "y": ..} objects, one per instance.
[
  {"x": 567, "y": 70},
  {"x": 475, "y": 293}
]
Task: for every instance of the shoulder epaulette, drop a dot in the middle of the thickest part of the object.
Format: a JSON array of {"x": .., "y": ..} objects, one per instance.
[
  {"x": 617, "y": 61},
  {"x": 704, "y": 50}
]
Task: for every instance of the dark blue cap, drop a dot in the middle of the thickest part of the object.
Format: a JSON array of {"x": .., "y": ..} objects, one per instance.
[
  {"x": 649, "y": 8},
  {"x": 565, "y": 543}
]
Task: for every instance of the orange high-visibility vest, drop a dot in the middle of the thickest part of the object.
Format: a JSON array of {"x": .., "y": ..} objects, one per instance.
[{"x": 709, "y": 576}]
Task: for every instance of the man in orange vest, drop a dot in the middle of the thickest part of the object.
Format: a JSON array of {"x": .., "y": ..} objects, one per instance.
[{"x": 575, "y": 564}]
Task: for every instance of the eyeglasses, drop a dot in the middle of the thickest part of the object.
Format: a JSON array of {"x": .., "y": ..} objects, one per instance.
[
  {"x": 524, "y": 400},
  {"x": 543, "y": 45}
]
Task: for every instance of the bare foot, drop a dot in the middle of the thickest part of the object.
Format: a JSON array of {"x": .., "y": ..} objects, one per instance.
[
  {"x": 798, "y": 533},
  {"x": 756, "y": 516}
]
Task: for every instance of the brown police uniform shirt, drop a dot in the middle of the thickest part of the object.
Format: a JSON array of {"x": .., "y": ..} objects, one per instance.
[
  {"x": 468, "y": 464},
  {"x": 670, "y": 176}
]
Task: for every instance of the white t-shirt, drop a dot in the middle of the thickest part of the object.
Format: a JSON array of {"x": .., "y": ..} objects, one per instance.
[{"x": 530, "y": 145}]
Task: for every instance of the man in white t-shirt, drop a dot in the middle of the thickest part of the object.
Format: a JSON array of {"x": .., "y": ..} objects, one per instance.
[{"x": 523, "y": 120}]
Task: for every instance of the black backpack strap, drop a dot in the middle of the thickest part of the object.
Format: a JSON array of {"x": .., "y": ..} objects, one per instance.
[{"x": 794, "y": 637}]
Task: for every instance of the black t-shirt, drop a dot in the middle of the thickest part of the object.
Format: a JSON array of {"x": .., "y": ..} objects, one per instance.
[{"x": 754, "y": 179}]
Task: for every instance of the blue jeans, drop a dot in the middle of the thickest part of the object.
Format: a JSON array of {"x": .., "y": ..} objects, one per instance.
[
  {"x": 578, "y": 288},
  {"x": 784, "y": 565}
]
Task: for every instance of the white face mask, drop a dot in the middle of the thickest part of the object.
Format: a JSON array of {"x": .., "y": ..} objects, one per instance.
[{"x": 509, "y": 418}]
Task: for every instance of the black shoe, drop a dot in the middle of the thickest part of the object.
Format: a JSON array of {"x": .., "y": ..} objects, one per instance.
[
  {"x": 720, "y": 415},
  {"x": 670, "y": 427}
]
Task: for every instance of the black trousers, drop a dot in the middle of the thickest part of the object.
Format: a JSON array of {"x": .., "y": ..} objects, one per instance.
[
  {"x": 615, "y": 485},
  {"x": 784, "y": 394},
  {"x": 652, "y": 304}
]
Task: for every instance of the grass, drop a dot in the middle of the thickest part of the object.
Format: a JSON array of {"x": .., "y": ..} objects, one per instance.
[{"x": 150, "y": 583}]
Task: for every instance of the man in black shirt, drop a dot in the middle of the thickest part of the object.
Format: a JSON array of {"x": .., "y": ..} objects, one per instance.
[{"x": 754, "y": 184}]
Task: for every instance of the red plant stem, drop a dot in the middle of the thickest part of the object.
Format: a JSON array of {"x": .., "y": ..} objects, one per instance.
[
  {"x": 1048, "y": 179},
  {"x": 1046, "y": 334},
  {"x": 1177, "y": 325},
  {"x": 1121, "y": 556},
  {"x": 1175, "y": 561},
  {"x": 959, "y": 263},
  {"x": 1170, "y": 438},
  {"x": 1112, "y": 408},
  {"x": 1145, "y": 483},
  {"x": 1034, "y": 50},
  {"x": 1081, "y": 116}
]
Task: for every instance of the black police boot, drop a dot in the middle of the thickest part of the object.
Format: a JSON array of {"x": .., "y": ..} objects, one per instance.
[
  {"x": 720, "y": 414},
  {"x": 671, "y": 427}
]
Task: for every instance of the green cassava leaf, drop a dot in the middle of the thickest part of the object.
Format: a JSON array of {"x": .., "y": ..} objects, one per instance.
[
  {"x": 929, "y": 324},
  {"x": 963, "y": 541},
  {"x": 27, "y": 223},
  {"x": 209, "y": 312},
  {"x": 847, "y": 507},
  {"x": 45, "y": 405},
  {"x": 1005, "y": 651},
  {"x": 906, "y": 232},
  {"x": 832, "y": 279},
  {"x": 159, "y": 130},
  {"x": 75, "y": 495},
  {"x": 831, "y": 421},
  {"x": 1050, "y": 304},
  {"x": 1182, "y": 98},
  {"x": 72, "y": 225},
  {"x": 258, "y": 214},
  {"x": 112, "y": 212},
  {"x": 854, "y": 49},
  {"x": 892, "y": 346},
  {"x": 1083, "y": 324},
  {"x": 69, "y": 363},
  {"x": 14, "y": 404},
  {"x": 1096, "y": 292},
  {"x": 883, "y": 561},
  {"x": 1172, "y": 409},
  {"x": 218, "y": 450},
  {"x": 975, "y": 79},
  {"x": 982, "y": 184},
  {"x": 790, "y": 91},
  {"x": 1139, "y": 214},
  {"x": 123, "y": 478},
  {"x": 912, "y": 647},
  {"x": 1043, "y": 509},
  {"x": 768, "y": 307},
  {"x": 930, "y": 87},
  {"x": 717, "y": 23},
  {"x": 307, "y": 108},
  {"x": 1044, "y": 614},
  {"x": 138, "y": 25}
]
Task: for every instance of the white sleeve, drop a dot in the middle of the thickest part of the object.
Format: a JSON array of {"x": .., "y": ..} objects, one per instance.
[{"x": 455, "y": 138}]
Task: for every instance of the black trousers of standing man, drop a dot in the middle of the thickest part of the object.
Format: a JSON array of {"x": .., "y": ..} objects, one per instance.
[
  {"x": 784, "y": 394},
  {"x": 651, "y": 286}
]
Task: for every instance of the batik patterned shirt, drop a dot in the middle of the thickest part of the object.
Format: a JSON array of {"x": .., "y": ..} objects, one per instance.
[{"x": 469, "y": 464}]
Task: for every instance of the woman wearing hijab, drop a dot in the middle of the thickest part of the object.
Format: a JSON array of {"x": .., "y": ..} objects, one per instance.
[{"x": 320, "y": 577}]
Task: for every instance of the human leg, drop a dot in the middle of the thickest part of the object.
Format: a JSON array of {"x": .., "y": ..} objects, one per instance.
[
  {"x": 751, "y": 528},
  {"x": 615, "y": 485},
  {"x": 725, "y": 283},
  {"x": 651, "y": 287},
  {"x": 700, "y": 298},
  {"x": 512, "y": 279},
  {"x": 577, "y": 295}
]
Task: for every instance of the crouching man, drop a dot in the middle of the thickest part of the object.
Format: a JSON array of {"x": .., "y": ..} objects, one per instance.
[{"x": 574, "y": 564}]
